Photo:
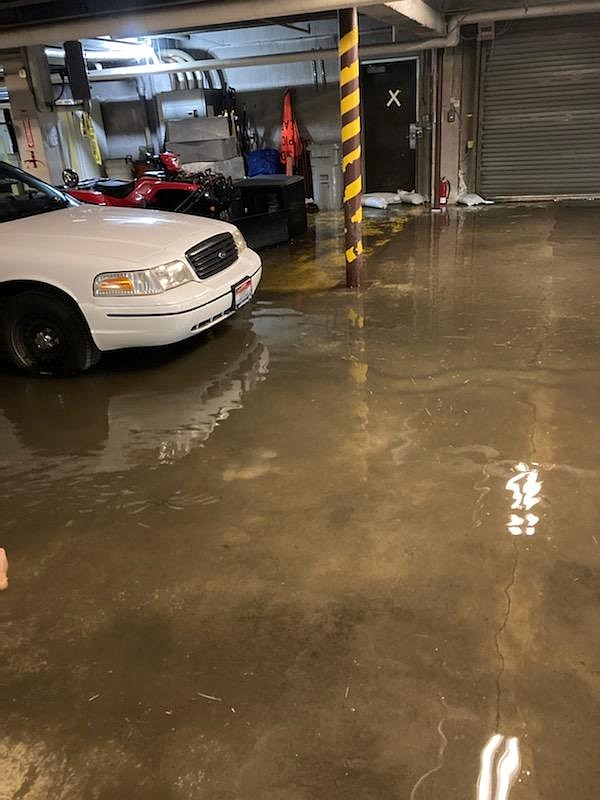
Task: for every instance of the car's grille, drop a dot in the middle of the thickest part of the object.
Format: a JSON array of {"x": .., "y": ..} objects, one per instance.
[{"x": 213, "y": 255}]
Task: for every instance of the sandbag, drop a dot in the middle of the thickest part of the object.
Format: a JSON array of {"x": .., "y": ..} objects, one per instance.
[
  {"x": 391, "y": 198},
  {"x": 411, "y": 198},
  {"x": 385, "y": 199},
  {"x": 374, "y": 201},
  {"x": 472, "y": 199}
]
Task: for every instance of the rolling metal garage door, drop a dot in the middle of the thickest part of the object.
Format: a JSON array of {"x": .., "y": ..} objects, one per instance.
[{"x": 540, "y": 110}]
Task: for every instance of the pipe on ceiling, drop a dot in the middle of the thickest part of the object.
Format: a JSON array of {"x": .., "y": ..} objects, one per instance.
[
  {"x": 530, "y": 12},
  {"x": 120, "y": 51},
  {"x": 190, "y": 77},
  {"x": 370, "y": 51}
]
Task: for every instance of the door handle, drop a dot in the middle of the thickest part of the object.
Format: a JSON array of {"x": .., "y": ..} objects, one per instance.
[{"x": 415, "y": 131}]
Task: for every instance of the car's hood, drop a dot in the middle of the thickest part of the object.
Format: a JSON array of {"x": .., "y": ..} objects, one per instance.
[{"x": 101, "y": 233}]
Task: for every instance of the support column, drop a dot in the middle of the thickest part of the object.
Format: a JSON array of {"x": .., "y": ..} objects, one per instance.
[
  {"x": 27, "y": 79},
  {"x": 437, "y": 153},
  {"x": 351, "y": 144},
  {"x": 455, "y": 127}
]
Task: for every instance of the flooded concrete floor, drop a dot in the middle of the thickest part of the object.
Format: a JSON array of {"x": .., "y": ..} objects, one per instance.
[{"x": 346, "y": 547}]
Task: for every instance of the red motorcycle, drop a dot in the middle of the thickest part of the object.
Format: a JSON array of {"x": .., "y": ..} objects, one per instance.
[{"x": 205, "y": 194}]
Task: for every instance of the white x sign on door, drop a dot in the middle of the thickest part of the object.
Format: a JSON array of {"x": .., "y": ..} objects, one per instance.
[{"x": 394, "y": 98}]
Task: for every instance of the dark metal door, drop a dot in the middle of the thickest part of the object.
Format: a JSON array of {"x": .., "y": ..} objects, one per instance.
[{"x": 389, "y": 97}]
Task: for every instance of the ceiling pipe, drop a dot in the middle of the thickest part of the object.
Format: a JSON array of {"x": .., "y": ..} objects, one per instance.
[
  {"x": 177, "y": 56},
  {"x": 369, "y": 51},
  {"x": 56, "y": 55},
  {"x": 99, "y": 50},
  {"x": 531, "y": 12}
]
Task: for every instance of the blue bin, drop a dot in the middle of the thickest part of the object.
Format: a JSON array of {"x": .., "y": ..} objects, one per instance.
[{"x": 263, "y": 162}]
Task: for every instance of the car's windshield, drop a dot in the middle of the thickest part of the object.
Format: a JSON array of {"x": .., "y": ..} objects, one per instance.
[{"x": 22, "y": 195}]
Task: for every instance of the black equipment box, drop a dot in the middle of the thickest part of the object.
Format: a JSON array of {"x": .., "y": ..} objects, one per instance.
[{"x": 269, "y": 209}]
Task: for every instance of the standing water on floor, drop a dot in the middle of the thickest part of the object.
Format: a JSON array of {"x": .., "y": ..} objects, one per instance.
[{"x": 345, "y": 546}]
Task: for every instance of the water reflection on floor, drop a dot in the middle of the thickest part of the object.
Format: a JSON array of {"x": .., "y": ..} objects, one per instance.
[{"x": 345, "y": 546}]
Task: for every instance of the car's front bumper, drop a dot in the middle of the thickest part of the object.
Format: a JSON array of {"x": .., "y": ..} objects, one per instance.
[{"x": 117, "y": 323}]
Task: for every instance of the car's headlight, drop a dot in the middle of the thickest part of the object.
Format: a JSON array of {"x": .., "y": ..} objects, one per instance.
[
  {"x": 239, "y": 240},
  {"x": 143, "y": 282}
]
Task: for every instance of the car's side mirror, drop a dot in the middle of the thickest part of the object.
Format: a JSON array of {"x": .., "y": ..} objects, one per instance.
[{"x": 70, "y": 178}]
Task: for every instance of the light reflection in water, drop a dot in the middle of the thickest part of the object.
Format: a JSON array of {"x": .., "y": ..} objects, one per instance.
[
  {"x": 500, "y": 764},
  {"x": 525, "y": 487}
]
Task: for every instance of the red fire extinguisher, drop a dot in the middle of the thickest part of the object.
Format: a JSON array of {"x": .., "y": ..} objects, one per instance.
[{"x": 444, "y": 192}]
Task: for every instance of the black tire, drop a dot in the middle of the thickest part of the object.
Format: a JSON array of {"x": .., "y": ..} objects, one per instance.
[{"x": 44, "y": 335}]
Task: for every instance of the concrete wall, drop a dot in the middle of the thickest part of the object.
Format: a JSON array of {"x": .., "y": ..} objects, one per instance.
[
  {"x": 459, "y": 88},
  {"x": 314, "y": 35},
  {"x": 129, "y": 114},
  {"x": 469, "y": 123},
  {"x": 260, "y": 89},
  {"x": 425, "y": 115},
  {"x": 317, "y": 113}
]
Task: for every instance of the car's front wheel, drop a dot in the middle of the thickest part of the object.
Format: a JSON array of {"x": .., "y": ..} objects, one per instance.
[{"x": 44, "y": 335}]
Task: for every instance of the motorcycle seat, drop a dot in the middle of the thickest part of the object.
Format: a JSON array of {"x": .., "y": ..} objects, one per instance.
[{"x": 113, "y": 187}]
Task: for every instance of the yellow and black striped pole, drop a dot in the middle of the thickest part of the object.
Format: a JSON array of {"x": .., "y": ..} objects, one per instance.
[{"x": 351, "y": 143}]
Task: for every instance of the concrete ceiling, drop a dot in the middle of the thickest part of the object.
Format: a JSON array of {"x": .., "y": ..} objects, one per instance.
[
  {"x": 415, "y": 15},
  {"x": 22, "y": 13},
  {"x": 16, "y": 13},
  {"x": 52, "y": 21},
  {"x": 457, "y": 6}
]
